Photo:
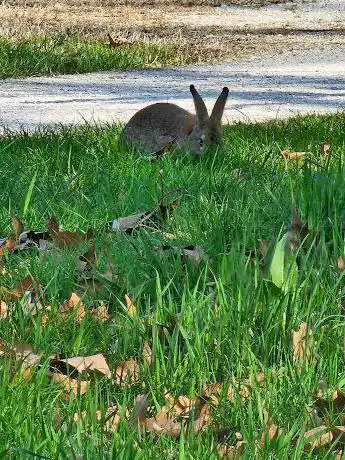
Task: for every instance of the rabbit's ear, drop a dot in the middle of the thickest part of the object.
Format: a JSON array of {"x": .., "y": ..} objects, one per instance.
[
  {"x": 200, "y": 107},
  {"x": 218, "y": 108}
]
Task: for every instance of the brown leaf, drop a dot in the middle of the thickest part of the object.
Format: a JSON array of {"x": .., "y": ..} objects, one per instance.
[
  {"x": 27, "y": 284},
  {"x": 194, "y": 254},
  {"x": 231, "y": 452},
  {"x": 163, "y": 423},
  {"x": 325, "y": 148},
  {"x": 3, "y": 310},
  {"x": 337, "y": 404},
  {"x": 116, "y": 42},
  {"x": 17, "y": 227},
  {"x": 65, "y": 239},
  {"x": 132, "y": 311},
  {"x": 127, "y": 372},
  {"x": 287, "y": 155},
  {"x": 317, "y": 437},
  {"x": 9, "y": 245},
  {"x": 341, "y": 264},
  {"x": 302, "y": 342},
  {"x": 201, "y": 422},
  {"x": 89, "y": 363},
  {"x": 72, "y": 304},
  {"x": 181, "y": 405},
  {"x": 101, "y": 313},
  {"x": 297, "y": 231},
  {"x": 77, "y": 387},
  {"x": 147, "y": 354},
  {"x": 271, "y": 429}
]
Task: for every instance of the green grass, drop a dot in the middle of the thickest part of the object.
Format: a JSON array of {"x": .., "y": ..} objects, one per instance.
[
  {"x": 72, "y": 54},
  {"x": 83, "y": 178}
]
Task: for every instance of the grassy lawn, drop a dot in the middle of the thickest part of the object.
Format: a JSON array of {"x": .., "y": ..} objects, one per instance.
[
  {"x": 222, "y": 320},
  {"x": 60, "y": 53}
]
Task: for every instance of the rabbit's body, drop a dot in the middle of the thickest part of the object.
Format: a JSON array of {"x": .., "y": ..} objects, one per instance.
[{"x": 158, "y": 125}]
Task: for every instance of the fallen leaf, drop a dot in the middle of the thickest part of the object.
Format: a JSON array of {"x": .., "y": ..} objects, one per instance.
[
  {"x": 271, "y": 429},
  {"x": 201, "y": 422},
  {"x": 9, "y": 245},
  {"x": 101, "y": 313},
  {"x": 77, "y": 387},
  {"x": 302, "y": 342},
  {"x": 287, "y": 155},
  {"x": 132, "y": 311},
  {"x": 336, "y": 404},
  {"x": 130, "y": 223},
  {"x": 116, "y": 42},
  {"x": 297, "y": 231},
  {"x": 89, "y": 363},
  {"x": 3, "y": 310},
  {"x": 72, "y": 304},
  {"x": 66, "y": 239},
  {"x": 164, "y": 423},
  {"x": 127, "y": 372},
  {"x": 231, "y": 452},
  {"x": 341, "y": 264},
  {"x": 325, "y": 148},
  {"x": 147, "y": 354},
  {"x": 27, "y": 284},
  {"x": 17, "y": 227},
  {"x": 317, "y": 437},
  {"x": 192, "y": 253}
]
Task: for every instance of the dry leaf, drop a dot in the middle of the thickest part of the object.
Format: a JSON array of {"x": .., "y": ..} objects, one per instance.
[
  {"x": 112, "y": 418},
  {"x": 341, "y": 264},
  {"x": 66, "y": 239},
  {"x": 9, "y": 245},
  {"x": 201, "y": 422},
  {"x": 147, "y": 354},
  {"x": 302, "y": 341},
  {"x": 116, "y": 42},
  {"x": 127, "y": 372},
  {"x": 101, "y": 313},
  {"x": 17, "y": 227},
  {"x": 72, "y": 304},
  {"x": 194, "y": 254},
  {"x": 317, "y": 437},
  {"x": 83, "y": 364},
  {"x": 27, "y": 284},
  {"x": 130, "y": 223},
  {"x": 77, "y": 387},
  {"x": 325, "y": 148},
  {"x": 231, "y": 452},
  {"x": 132, "y": 311},
  {"x": 163, "y": 423},
  {"x": 271, "y": 430},
  {"x": 292, "y": 155},
  {"x": 3, "y": 310}
]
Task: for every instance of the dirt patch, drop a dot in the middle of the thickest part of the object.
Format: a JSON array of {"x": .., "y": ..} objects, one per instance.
[{"x": 236, "y": 29}]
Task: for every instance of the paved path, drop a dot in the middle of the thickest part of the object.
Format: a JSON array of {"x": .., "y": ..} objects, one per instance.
[{"x": 259, "y": 90}]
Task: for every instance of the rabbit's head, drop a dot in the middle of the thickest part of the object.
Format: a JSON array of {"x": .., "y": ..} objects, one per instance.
[{"x": 208, "y": 129}]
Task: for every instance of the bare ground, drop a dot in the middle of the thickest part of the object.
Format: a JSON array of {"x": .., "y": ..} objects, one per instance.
[{"x": 236, "y": 29}]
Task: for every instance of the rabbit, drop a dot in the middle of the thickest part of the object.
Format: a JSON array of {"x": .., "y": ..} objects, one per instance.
[{"x": 159, "y": 125}]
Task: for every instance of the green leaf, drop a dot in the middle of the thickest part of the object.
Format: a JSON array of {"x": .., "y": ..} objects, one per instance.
[
  {"x": 29, "y": 193},
  {"x": 277, "y": 268}
]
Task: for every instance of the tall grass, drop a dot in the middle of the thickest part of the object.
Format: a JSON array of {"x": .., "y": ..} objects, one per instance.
[{"x": 223, "y": 322}]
